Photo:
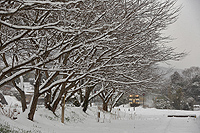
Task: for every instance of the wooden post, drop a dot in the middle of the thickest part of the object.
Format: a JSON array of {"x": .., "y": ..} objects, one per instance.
[
  {"x": 63, "y": 109},
  {"x": 98, "y": 116}
]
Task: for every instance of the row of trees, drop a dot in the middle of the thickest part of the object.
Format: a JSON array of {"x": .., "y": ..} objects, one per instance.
[{"x": 76, "y": 46}]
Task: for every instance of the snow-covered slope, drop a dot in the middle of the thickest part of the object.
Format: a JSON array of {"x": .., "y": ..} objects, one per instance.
[
  {"x": 11, "y": 100},
  {"x": 122, "y": 120}
]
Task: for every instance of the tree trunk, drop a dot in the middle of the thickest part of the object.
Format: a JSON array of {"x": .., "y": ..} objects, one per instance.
[
  {"x": 35, "y": 96},
  {"x": 23, "y": 101},
  {"x": 81, "y": 96},
  {"x": 47, "y": 99},
  {"x": 23, "y": 97},
  {"x": 105, "y": 106},
  {"x": 55, "y": 104},
  {"x": 86, "y": 100},
  {"x": 115, "y": 101},
  {"x": 63, "y": 90},
  {"x": 33, "y": 107}
]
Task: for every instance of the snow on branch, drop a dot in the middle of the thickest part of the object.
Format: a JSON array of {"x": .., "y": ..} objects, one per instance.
[
  {"x": 117, "y": 99},
  {"x": 10, "y": 78},
  {"x": 96, "y": 94},
  {"x": 45, "y": 26},
  {"x": 119, "y": 81},
  {"x": 28, "y": 2},
  {"x": 13, "y": 40},
  {"x": 43, "y": 88},
  {"x": 9, "y": 12}
]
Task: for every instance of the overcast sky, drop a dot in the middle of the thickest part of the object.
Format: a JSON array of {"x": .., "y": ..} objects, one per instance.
[{"x": 186, "y": 30}]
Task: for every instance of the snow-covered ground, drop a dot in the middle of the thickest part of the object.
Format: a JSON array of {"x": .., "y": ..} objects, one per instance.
[
  {"x": 123, "y": 119},
  {"x": 11, "y": 100}
]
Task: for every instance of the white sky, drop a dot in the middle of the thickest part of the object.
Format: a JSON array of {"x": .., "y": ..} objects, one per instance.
[{"x": 186, "y": 30}]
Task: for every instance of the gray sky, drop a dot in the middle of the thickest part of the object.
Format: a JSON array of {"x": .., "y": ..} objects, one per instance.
[{"x": 186, "y": 30}]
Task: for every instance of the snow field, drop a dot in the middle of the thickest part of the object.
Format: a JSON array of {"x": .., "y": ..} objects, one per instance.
[
  {"x": 12, "y": 100},
  {"x": 122, "y": 119}
]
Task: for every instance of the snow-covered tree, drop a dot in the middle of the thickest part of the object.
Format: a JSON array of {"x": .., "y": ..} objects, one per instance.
[
  {"x": 176, "y": 79},
  {"x": 65, "y": 43},
  {"x": 191, "y": 73},
  {"x": 192, "y": 82}
]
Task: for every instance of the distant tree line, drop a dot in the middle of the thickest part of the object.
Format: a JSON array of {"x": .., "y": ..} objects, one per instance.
[{"x": 183, "y": 88}]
